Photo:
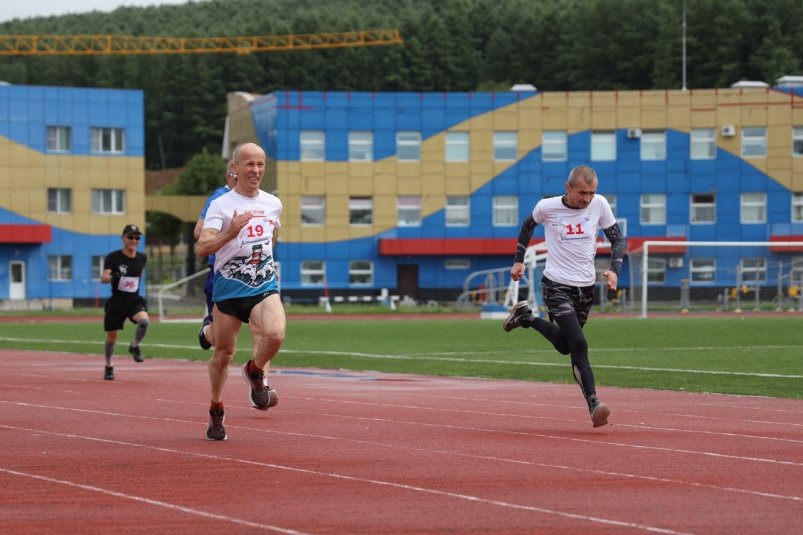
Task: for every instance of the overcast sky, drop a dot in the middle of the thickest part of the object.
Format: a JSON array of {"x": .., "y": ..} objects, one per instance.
[{"x": 23, "y": 9}]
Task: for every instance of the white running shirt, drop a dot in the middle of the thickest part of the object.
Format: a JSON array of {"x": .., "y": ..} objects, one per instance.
[
  {"x": 244, "y": 266},
  {"x": 571, "y": 238}
]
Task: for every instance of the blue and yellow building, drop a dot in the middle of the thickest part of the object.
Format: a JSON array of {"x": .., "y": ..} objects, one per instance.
[
  {"x": 72, "y": 175},
  {"x": 414, "y": 191}
]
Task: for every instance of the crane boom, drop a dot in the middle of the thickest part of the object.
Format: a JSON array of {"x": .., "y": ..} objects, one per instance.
[{"x": 96, "y": 45}]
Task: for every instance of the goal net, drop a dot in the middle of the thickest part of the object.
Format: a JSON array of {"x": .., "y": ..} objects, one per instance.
[
  {"x": 183, "y": 301},
  {"x": 685, "y": 276}
]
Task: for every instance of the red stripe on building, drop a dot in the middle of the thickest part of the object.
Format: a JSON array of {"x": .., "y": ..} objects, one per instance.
[
  {"x": 786, "y": 249},
  {"x": 12, "y": 233}
]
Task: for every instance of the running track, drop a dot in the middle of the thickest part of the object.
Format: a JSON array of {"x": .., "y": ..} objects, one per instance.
[{"x": 352, "y": 453}]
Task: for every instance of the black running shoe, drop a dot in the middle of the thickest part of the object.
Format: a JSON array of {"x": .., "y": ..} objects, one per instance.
[
  {"x": 257, "y": 388},
  {"x": 202, "y": 341},
  {"x": 108, "y": 373},
  {"x": 136, "y": 353},
  {"x": 513, "y": 320},
  {"x": 599, "y": 413},
  {"x": 216, "y": 431}
]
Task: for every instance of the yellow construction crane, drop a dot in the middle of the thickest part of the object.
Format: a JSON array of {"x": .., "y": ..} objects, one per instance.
[{"x": 97, "y": 45}]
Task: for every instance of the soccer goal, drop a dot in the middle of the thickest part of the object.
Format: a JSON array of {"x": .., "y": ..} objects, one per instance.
[
  {"x": 183, "y": 301},
  {"x": 685, "y": 276}
]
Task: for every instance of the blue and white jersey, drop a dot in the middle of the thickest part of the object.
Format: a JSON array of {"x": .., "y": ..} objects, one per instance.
[
  {"x": 571, "y": 238},
  {"x": 215, "y": 194},
  {"x": 244, "y": 266}
]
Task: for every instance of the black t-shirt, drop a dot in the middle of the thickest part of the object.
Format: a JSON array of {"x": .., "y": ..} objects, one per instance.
[{"x": 126, "y": 272}]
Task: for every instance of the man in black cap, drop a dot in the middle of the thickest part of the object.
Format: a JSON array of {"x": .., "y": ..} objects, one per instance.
[{"x": 124, "y": 269}]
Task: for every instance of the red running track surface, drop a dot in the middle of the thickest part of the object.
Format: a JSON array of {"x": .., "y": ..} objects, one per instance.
[{"x": 347, "y": 452}]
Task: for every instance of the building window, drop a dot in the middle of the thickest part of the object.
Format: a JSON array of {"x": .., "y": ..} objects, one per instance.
[
  {"x": 313, "y": 272},
  {"x": 796, "y": 272},
  {"x": 554, "y": 146},
  {"x": 457, "y": 263},
  {"x": 457, "y": 147},
  {"x": 754, "y": 142},
  {"x": 703, "y": 144},
  {"x": 108, "y": 140},
  {"x": 653, "y": 209},
  {"x": 506, "y": 211},
  {"x": 408, "y": 146},
  {"x": 313, "y": 210},
  {"x": 361, "y": 146},
  {"x": 611, "y": 198},
  {"x": 797, "y": 141},
  {"x": 797, "y": 208},
  {"x": 653, "y": 145},
  {"x": 361, "y": 210},
  {"x": 506, "y": 146},
  {"x": 408, "y": 211},
  {"x": 656, "y": 270},
  {"x": 97, "y": 267},
  {"x": 703, "y": 269},
  {"x": 753, "y": 269},
  {"x": 59, "y": 200},
  {"x": 603, "y": 146},
  {"x": 59, "y": 139},
  {"x": 753, "y": 208},
  {"x": 313, "y": 145},
  {"x": 60, "y": 268},
  {"x": 108, "y": 201},
  {"x": 361, "y": 273},
  {"x": 457, "y": 212},
  {"x": 703, "y": 208}
]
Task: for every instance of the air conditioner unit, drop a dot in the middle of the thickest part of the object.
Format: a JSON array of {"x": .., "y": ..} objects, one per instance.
[
  {"x": 633, "y": 133},
  {"x": 728, "y": 130},
  {"x": 676, "y": 261}
]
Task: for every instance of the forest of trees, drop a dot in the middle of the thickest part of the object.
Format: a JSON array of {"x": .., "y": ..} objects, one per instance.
[{"x": 449, "y": 45}]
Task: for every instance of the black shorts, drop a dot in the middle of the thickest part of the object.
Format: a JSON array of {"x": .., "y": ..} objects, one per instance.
[
  {"x": 241, "y": 307},
  {"x": 559, "y": 298},
  {"x": 120, "y": 308}
]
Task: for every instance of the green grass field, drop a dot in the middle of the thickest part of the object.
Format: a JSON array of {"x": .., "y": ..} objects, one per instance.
[{"x": 736, "y": 355}]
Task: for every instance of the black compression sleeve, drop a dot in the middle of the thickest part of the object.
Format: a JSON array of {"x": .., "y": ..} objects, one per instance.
[
  {"x": 618, "y": 245},
  {"x": 525, "y": 235}
]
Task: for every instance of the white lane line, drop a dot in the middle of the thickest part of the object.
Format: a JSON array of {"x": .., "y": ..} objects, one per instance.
[
  {"x": 344, "y": 477},
  {"x": 149, "y": 501}
]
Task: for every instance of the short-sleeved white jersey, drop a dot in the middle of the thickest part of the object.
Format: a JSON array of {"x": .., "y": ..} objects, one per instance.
[
  {"x": 571, "y": 238},
  {"x": 244, "y": 267}
]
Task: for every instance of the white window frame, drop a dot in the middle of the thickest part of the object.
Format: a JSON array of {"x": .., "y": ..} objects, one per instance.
[
  {"x": 312, "y": 145},
  {"x": 97, "y": 266},
  {"x": 700, "y": 206},
  {"x": 108, "y": 201},
  {"x": 796, "y": 270},
  {"x": 797, "y": 141},
  {"x": 603, "y": 146},
  {"x": 59, "y": 139},
  {"x": 754, "y": 142},
  {"x": 797, "y": 207},
  {"x": 653, "y": 205},
  {"x": 408, "y": 211},
  {"x": 107, "y": 140},
  {"x": 361, "y": 208},
  {"x": 753, "y": 207},
  {"x": 653, "y": 145},
  {"x": 554, "y": 146},
  {"x": 361, "y": 273},
  {"x": 457, "y": 264},
  {"x": 505, "y": 146},
  {"x": 702, "y": 270},
  {"x": 312, "y": 272},
  {"x": 458, "y": 211},
  {"x": 59, "y": 268},
  {"x": 408, "y": 146},
  {"x": 59, "y": 200},
  {"x": 753, "y": 269},
  {"x": 703, "y": 144},
  {"x": 656, "y": 270},
  {"x": 505, "y": 210},
  {"x": 361, "y": 146},
  {"x": 457, "y": 147},
  {"x": 313, "y": 210}
]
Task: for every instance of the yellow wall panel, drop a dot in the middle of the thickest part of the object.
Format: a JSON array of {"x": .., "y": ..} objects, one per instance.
[
  {"x": 409, "y": 186},
  {"x": 779, "y": 116},
  {"x": 337, "y": 208},
  {"x": 361, "y": 170},
  {"x": 678, "y": 118},
  {"x": 506, "y": 120},
  {"x": 629, "y": 117},
  {"x": 557, "y": 119},
  {"x": 363, "y": 187},
  {"x": 454, "y": 169},
  {"x": 576, "y": 120},
  {"x": 653, "y": 119},
  {"x": 704, "y": 119},
  {"x": 408, "y": 169},
  {"x": 385, "y": 185},
  {"x": 336, "y": 187},
  {"x": 754, "y": 116},
  {"x": 578, "y": 99},
  {"x": 482, "y": 123},
  {"x": 603, "y": 118},
  {"x": 431, "y": 185},
  {"x": 458, "y": 186}
]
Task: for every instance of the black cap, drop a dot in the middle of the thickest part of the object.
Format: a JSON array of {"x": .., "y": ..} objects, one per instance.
[{"x": 131, "y": 229}]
